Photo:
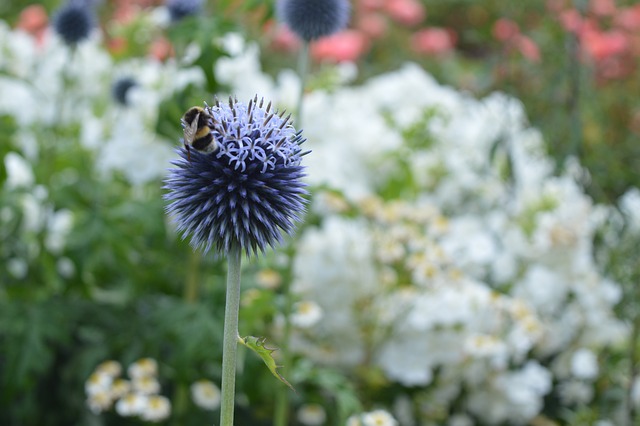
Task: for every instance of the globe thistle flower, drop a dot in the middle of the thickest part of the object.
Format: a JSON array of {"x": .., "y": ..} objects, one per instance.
[
  {"x": 120, "y": 89},
  {"x": 312, "y": 19},
  {"x": 249, "y": 190},
  {"x": 74, "y": 22},
  {"x": 179, "y": 9}
]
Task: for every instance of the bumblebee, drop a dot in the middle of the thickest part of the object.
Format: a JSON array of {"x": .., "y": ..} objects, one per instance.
[{"x": 196, "y": 124}]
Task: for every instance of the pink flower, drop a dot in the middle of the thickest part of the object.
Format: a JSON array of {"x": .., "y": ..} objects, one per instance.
[
  {"x": 433, "y": 41},
  {"x": 571, "y": 20},
  {"x": 161, "y": 49},
  {"x": 505, "y": 29},
  {"x": 600, "y": 44},
  {"x": 33, "y": 19},
  {"x": 283, "y": 39},
  {"x": 528, "y": 48},
  {"x": 613, "y": 68},
  {"x": 406, "y": 12},
  {"x": 629, "y": 18},
  {"x": 603, "y": 7},
  {"x": 345, "y": 46},
  {"x": 372, "y": 24},
  {"x": 369, "y": 5}
]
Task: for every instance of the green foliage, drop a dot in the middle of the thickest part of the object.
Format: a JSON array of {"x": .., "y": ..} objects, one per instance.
[{"x": 257, "y": 345}]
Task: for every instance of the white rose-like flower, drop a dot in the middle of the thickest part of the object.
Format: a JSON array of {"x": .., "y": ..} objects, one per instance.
[
  {"x": 306, "y": 314},
  {"x": 132, "y": 404},
  {"x": 98, "y": 382},
  {"x": 19, "y": 172},
  {"x": 146, "y": 385},
  {"x": 99, "y": 401},
  {"x": 205, "y": 394},
  {"x": 584, "y": 364},
  {"x": 157, "y": 409},
  {"x": 378, "y": 418},
  {"x": 312, "y": 415},
  {"x": 143, "y": 368}
]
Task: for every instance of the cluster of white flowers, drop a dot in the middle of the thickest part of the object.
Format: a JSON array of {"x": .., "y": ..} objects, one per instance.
[
  {"x": 32, "y": 222},
  {"x": 138, "y": 396},
  {"x": 473, "y": 275},
  {"x": 46, "y": 84}
]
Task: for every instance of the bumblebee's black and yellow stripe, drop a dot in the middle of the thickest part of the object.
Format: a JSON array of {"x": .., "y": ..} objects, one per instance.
[{"x": 197, "y": 123}]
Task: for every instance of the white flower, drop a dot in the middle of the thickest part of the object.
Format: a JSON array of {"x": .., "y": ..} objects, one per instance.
[
  {"x": 17, "y": 267},
  {"x": 269, "y": 279},
  {"x": 144, "y": 367},
  {"x": 157, "y": 409},
  {"x": 306, "y": 314},
  {"x": 378, "y": 418},
  {"x": 99, "y": 401},
  {"x": 110, "y": 368},
  {"x": 574, "y": 392},
  {"x": 19, "y": 172},
  {"x": 120, "y": 387},
  {"x": 98, "y": 382},
  {"x": 58, "y": 227},
  {"x": 132, "y": 404},
  {"x": 205, "y": 394},
  {"x": 145, "y": 385},
  {"x": 312, "y": 415},
  {"x": 630, "y": 206},
  {"x": 460, "y": 420},
  {"x": 584, "y": 364},
  {"x": 65, "y": 267}
]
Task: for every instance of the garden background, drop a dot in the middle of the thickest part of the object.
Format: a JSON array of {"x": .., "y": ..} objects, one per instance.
[{"x": 470, "y": 251}]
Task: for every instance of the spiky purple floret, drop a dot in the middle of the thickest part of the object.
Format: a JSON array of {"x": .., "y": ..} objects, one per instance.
[
  {"x": 312, "y": 19},
  {"x": 248, "y": 191}
]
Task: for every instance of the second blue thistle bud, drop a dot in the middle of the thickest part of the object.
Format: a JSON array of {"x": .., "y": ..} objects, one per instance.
[
  {"x": 312, "y": 19},
  {"x": 74, "y": 21}
]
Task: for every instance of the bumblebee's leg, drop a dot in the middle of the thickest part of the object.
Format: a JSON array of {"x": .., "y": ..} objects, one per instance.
[{"x": 188, "y": 148}]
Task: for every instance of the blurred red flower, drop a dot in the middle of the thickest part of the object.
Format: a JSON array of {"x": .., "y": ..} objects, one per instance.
[
  {"x": 406, "y": 12},
  {"x": 528, "y": 48},
  {"x": 629, "y": 18},
  {"x": 33, "y": 20},
  {"x": 374, "y": 25},
  {"x": 161, "y": 49},
  {"x": 603, "y": 7},
  {"x": 282, "y": 38},
  {"x": 604, "y": 44},
  {"x": 345, "y": 46},
  {"x": 505, "y": 29},
  {"x": 433, "y": 41}
]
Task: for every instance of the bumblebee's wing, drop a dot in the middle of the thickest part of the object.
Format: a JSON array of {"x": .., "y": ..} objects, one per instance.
[{"x": 190, "y": 130}]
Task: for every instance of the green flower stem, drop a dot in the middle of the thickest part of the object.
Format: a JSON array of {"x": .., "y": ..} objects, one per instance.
[
  {"x": 230, "y": 342},
  {"x": 303, "y": 71}
]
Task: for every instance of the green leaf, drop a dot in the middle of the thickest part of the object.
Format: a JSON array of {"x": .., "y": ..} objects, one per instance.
[{"x": 256, "y": 344}]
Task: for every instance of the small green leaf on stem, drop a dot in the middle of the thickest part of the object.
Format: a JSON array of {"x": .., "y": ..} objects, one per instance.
[{"x": 257, "y": 345}]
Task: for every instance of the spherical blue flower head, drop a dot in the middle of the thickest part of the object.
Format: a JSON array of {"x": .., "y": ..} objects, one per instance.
[
  {"x": 121, "y": 87},
  {"x": 74, "y": 21},
  {"x": 249, "y": 190},
  {"x": 312, "y": 19},
  {"x": 179, "y": 9}
]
